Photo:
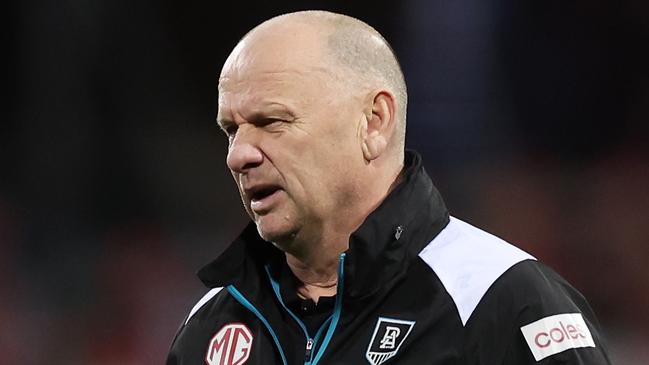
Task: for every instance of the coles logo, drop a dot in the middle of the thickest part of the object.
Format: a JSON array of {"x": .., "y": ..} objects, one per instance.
[
  {"x": 230, "y": 345},
  {"x": 554, "y": 334}
]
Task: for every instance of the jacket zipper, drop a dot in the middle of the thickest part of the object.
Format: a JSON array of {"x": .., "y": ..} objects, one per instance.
[
  {"x": 309, "y": 350},
  {"x": 333, "y": 320},
  {"x": 335, "y": 317},
  {"x": 310, "y": 342}
]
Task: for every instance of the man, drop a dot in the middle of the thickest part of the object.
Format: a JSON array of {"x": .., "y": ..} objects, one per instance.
[{"x": 352, "y": 257}]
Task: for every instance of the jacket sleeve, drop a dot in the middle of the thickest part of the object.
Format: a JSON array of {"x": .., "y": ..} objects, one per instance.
[{"x": 531, "y": 315}]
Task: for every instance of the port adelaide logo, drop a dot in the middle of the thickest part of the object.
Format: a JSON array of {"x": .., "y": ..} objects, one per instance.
[{"x": 389, "y": 335}]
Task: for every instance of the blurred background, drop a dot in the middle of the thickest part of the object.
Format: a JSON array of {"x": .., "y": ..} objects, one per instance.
[{"x": 532, "y": 117}]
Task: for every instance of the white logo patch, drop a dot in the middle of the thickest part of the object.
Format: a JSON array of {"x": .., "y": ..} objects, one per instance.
[
  {"x": 230, "y": 346},
  {"x": 389, "y": 335},
  {"x": 554, "y": 334}
]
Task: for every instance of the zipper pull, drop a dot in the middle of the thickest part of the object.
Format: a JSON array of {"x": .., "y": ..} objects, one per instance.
[
  {"x": 398, "y": 232},
  {"x": 309, "y": 349}
]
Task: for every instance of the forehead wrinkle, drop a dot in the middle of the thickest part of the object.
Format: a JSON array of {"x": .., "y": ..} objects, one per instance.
[
  {"x": 265, "y": 108},
  {"x": 284, "y": 86},
  {"x": 258, "y": 105},
  {"x": 274, "y": 73}
]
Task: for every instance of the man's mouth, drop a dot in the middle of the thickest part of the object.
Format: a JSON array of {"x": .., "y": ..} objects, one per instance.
[
  {"x": 262, "y": 197},
  {"x": 263, "y": 193}
]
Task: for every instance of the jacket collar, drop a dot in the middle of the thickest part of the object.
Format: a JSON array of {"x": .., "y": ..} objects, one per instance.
[
  {"x": 379, "y": 253},
  {"x": 382, "y": 249}
]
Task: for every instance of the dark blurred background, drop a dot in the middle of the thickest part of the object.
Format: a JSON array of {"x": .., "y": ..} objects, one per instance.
[{"x": 532, "y": 116}]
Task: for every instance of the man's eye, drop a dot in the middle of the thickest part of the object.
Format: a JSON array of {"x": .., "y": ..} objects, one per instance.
[
  {"x": 268, "y": 121},
  {"x": 271, "y": 122}
]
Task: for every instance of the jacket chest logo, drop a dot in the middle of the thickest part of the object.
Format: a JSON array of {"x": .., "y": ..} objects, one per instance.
[
  {"x": 230, "y": 345},
  {"x": 389, "y": 335}
]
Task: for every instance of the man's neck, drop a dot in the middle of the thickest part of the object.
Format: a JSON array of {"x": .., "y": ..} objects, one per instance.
[
  {"x": 317, "y": 266},
  {"x": 317, "y": 279}
]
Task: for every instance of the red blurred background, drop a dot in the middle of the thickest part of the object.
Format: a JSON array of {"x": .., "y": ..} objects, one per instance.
[{"x": 532, "y": 117}]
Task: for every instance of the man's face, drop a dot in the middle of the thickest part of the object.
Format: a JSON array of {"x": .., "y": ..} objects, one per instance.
[{"x": 294, "y": 140}]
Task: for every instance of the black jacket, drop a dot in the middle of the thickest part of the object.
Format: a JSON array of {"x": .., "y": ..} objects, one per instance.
[{"x": 415, "y": 287}]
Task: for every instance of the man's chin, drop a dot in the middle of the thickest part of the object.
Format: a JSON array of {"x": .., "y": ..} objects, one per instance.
[{"x": 276, "y": 233}]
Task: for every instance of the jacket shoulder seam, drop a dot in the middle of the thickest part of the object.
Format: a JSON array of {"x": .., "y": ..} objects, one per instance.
[
  {"x": 206, "y": 298},
  {"x": 468, "y": 261}
]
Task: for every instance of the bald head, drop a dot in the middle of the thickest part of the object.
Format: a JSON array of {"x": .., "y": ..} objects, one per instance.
[
  {"x": 350, "y": 52},
  {"x": 313, "y": 105}
]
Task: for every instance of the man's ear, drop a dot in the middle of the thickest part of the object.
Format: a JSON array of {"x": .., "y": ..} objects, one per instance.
[{"x": 381, "y": 124}]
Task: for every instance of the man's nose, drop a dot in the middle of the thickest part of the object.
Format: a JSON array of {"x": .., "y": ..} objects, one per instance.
[{"x": 243, "y": 153}]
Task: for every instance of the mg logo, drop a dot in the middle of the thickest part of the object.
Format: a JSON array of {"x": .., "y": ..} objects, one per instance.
[{"x": 230, "y": 346}]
